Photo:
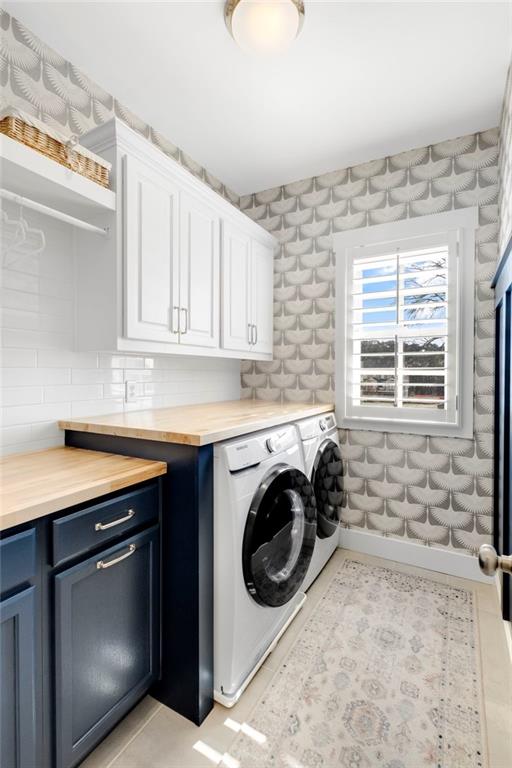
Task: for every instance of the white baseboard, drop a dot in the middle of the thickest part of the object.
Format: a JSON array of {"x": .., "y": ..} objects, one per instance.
[{"x": 410, "y": 553}]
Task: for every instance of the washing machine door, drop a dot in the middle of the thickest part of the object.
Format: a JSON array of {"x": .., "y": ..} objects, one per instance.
[
  {"x": 327, "y": 482},
  {"x": 279, "y": 536}
]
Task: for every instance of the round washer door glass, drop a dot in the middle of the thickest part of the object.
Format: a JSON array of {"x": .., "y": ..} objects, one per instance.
[
  {"x": 279, "y": 536},
  {"x": 328, "y": 486}
]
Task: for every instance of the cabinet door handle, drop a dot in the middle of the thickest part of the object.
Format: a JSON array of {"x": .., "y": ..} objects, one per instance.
[
  {"x": 255, "y": 334},
  {"x": 249, "y": 333},
  {"x": 175, "y": 314},
  {"x": 106, "y": 526},
  {"x": 102, "y": 564},
  {"x": 185, "y": 314}
]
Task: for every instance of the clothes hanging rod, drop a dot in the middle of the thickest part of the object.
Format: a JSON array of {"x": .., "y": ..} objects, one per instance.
[{"x": 26, "y": 202}]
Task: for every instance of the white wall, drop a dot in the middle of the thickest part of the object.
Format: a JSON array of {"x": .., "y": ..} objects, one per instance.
[{"x": 44, "y": 379}]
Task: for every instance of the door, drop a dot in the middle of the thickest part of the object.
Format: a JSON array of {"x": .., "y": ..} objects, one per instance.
[
  {"x": 327, "y": 482},
  {"x": 503, "y": 445},
  {"x": 106, "y": 641},
  {"x": 18, "y": 676},
  {"x": 236, "y": 281},
  {"x": 279, "y": 536},
  {"x": 262, "y": 284},
  {"x": 199, "y": 272},
  {"x": 150, "y": 254}
]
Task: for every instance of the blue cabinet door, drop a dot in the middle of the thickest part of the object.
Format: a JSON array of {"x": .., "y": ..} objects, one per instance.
[
  {"x": 107, "y": 612},
  {"x": 18, "y": 681}
]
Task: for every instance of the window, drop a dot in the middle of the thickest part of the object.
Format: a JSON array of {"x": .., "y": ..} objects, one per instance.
[{"x": 405, "y": 341}]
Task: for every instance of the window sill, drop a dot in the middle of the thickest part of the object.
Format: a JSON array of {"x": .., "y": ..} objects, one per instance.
[{"x": 407, "y": 427}]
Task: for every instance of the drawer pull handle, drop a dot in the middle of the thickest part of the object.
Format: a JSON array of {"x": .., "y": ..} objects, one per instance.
[
  {"x": 102, "y": 564},
  {"x": 106, "y": 526}
]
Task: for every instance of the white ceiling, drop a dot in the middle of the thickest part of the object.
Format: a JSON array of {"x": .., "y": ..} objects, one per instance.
[{"x": 363, "y": 79}]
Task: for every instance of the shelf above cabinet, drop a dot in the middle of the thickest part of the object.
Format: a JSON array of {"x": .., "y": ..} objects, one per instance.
[{"x": 28, "y": 173}]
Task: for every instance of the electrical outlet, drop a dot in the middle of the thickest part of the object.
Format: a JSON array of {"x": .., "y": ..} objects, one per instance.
[{"x": 130, "y": 391}]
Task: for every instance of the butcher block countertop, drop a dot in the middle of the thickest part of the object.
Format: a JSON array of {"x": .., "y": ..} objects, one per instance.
[
  {"x": 197, "y": 424},
  {"x": 39, "y": 483}
]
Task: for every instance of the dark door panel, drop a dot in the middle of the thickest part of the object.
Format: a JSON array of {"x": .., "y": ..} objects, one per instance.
[
  {"x": 18, "y": 680},
  {"x": 106, "y": 641}
]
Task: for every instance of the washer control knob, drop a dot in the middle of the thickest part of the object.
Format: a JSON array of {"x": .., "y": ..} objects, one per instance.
[
  {"x": 272, "y": 444},
  {"x": 322, "y": 424}
]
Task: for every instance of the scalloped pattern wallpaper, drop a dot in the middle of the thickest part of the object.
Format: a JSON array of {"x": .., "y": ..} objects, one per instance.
[
  {"x": 436, "y": 491},
  {"x": 505, "y": 166},
  {"x": 431, "y": 490},
  {"x": 38, "y": 80}
]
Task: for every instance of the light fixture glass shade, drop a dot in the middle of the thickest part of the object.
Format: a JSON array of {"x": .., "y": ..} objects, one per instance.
[{"x": 265, "y": 26}]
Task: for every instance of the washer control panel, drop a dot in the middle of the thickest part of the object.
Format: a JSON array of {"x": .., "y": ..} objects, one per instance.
[{"x": 255, "y": 448}]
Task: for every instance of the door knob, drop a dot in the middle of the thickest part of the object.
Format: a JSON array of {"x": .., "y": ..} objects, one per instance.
[{"x": 490, "y": 562}]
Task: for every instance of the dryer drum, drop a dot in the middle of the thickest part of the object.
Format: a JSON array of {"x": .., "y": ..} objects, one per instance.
[
  {"x": 279, "y": 536},
  {"x": 328, "y": 487}
]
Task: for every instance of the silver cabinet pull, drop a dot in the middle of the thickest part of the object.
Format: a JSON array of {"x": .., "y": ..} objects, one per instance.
[
  {"x": 490, "y": 562},
  {"x": 249, "y": 334},
  {"x": 102, "y": 564},
  {"x": 255, "y": 334},
  {"x": 184, "y": 310},
  {"x": 175, "y": 314},
  {"x": 106, "y": 526}
]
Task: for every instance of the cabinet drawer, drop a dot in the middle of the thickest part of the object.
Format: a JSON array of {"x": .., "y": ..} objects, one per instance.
[
  {"x": 17, "y": 559},
  {"x": 83, "y": 530}
]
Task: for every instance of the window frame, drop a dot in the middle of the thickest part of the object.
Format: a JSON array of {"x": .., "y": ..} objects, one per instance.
[{"x": 458, "y": 227}]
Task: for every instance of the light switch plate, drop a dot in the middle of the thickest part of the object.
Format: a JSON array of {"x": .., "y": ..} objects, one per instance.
[{"x": 130, "y": 391}]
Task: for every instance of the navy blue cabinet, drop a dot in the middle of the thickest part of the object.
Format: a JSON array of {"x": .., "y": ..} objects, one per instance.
[
  {"x": 18, "y": 648},
  {"x": 106, "y": 641},
  {"x": 79, "y": 626}
]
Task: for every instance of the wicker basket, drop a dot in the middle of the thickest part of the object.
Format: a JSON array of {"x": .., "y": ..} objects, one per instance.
[{"x": 66, "y": 154}]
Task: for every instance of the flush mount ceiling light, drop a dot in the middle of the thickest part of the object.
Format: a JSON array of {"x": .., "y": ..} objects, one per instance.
[{"x": 264, "y": 26}]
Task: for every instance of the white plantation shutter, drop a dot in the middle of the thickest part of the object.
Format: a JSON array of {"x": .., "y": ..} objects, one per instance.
[
  {"x": 402, "y": 329},
  {"x": 405, "y": 296}
]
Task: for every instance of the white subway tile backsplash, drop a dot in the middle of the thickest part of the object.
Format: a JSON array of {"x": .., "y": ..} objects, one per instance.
[
  {"x": 96, "y": 375},
  {"x": 12, "y": 377},
  {"x": 21, "y": 396},
  {"x": 44, "y": 378},
  {"x": 72, "y": 392},
  {"x": 14, "y": 337},
  {"x": 18, "y": 358},
  {"x": 29, "y": 414},
  {"x": 52, "y": 358}
]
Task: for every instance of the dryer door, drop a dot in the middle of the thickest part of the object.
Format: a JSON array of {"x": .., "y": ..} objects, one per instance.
[
  {"x": 279, "y": 536},
  {"x": 328, "y": 486}
]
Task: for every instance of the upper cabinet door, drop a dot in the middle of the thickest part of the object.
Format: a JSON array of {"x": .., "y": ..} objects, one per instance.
[
  {"x": 199, "y": 272},
  {"x": 236, "y": 287},
  {"x": 262, "y": 282},
  {"x": 151, "y": 254}
]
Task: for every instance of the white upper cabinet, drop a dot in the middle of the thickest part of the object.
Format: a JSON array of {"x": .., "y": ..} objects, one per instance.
[
  {"x": 236, "y": 289},
  {"x": 151, "y": 254},
  {"x": 199, "y": 272},
  {"x": 247, "y": 292},
  {"x": 262, "y": 290},
  {"x": 164, "y": 281}
]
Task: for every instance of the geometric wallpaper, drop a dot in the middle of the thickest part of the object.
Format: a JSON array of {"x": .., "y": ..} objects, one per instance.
[
  {"x": 505, "y": 166},
  {"x": 39, "y": 81},
  {"x": 428, "y": 489}
]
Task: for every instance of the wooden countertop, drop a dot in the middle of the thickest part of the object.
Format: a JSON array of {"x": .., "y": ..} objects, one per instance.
[
  {"x": 197, "y": 424},
  {"x": 39, "y": 483}
]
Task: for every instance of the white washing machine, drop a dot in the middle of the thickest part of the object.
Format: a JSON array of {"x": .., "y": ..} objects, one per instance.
[
  {"x": 264, "y": 536},
  {"x": 324, "y": 467}
]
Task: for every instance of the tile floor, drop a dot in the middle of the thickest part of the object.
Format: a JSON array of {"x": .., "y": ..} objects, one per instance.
[{"x": 153, "y": 736}]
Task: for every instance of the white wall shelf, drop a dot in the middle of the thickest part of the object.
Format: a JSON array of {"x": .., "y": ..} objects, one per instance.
[{"x": 28, "y": 173}]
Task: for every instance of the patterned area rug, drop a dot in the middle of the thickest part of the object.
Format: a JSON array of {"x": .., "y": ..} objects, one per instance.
[{"x": 385, "y": 673}]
